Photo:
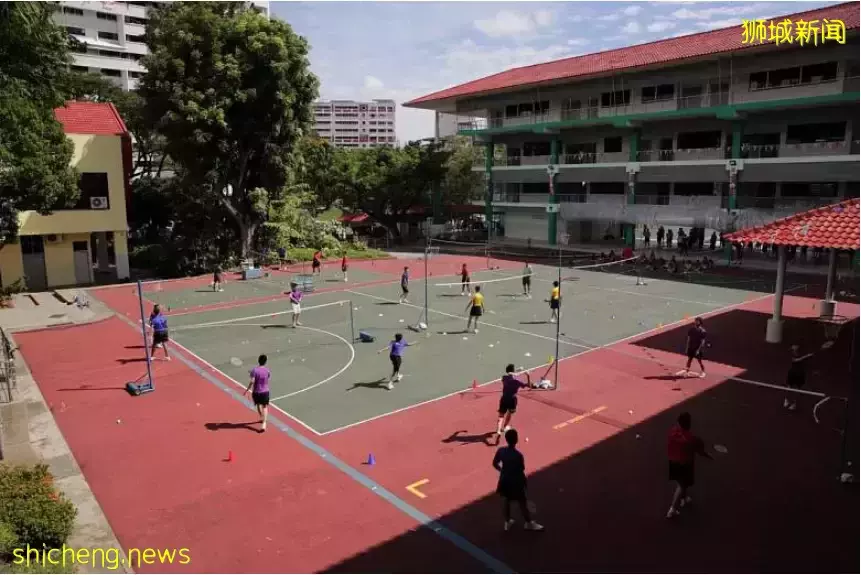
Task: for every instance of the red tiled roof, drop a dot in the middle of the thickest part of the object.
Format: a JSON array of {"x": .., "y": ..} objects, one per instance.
[
  {"x": 836, "y": 226},
  {"x": 666, "y": 51},
  {"x": 353, "y": 218},
  {"x": 99, "y": 119}
]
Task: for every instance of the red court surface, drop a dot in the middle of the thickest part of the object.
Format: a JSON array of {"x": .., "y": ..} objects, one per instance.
[
  {"x": 595, "y": 453},
  {"x": 157, "y": 467}
]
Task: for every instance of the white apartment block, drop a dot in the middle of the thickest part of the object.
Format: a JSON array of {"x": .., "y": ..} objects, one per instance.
[
  {"x": 351, "y": 124},
  {"x": 112, "y": 37}
]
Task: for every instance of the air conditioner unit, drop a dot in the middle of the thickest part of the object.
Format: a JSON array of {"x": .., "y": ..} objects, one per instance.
[
  {"x": 54, "y": 238},
  {"x": 99, "y": 203}
]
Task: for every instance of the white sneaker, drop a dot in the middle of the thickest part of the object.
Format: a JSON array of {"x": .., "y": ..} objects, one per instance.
[
  {"x": 168, "y": 359},
  {"x": 791, "y": 407},
  {"x": 703, "y": 375},
  {"x": 400, "y": 376},
  {"x": 785, "y": 403},
  {"x": 221, "y": 290},
  {"x": 508, "y": 524},
  {"x": 533, "y": 526},
  {"x": 673, "y": 512},
  {"x": 552, "y": 320},
  {"x": 390, "y": 386}
]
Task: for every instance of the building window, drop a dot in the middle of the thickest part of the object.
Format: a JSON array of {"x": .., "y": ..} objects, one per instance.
[
  {"x": 817, "y": 73},
  {"x": 79, "y": 69},
  {"x": 111, "y": 73},
  {"x": 109, "y": 36},
  {"x": 110, "y": 54},
  {"x": 135, "y": 20},
  {"x": 615, "y": 99},
  {"x": 812, "y": 133},
  {"x": 75, "y": 31},
  {"x": 657, "y": 93},
  {"x": 94, "y": 192},
  {"x": 698, "y": 140},
  {"x": 78, "y": 48},
  {"x": 613, "y": 145},
  {"x": 136, "y": 75},
  {"x": 794, "y": 76},
  {"x": 73, "y": 11},
  {"x": 106, "y": 16},
  {"x": 32, "y": 245},
  {"x": 139, "y": 38}
]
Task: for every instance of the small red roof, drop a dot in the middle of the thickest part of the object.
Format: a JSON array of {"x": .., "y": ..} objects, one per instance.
[
  {"x": 671, "y": 50},
  {"x": 95, "y": 118},
  {"x": 353, "y": 218},
  {"x": 835, "y": 226}
]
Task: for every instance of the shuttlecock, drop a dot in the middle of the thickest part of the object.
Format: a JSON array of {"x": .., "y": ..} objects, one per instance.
[
  {"x": 465, "y": 338},
  {"x": 490, "y": 345},
  {"x": 381, "y": 315},
  {"x": 630, "y": 412},
  {"x": 444, "y": 333},
  {"x": 637, "y": 436},
  {"x": 400, "y": 321},
  {"x": 119, "y": 421},
  {"x": 355, "y": 309},
  {"x": 303, "y": 359},
  {"x": 527, "y": 354},
  {"x": 423, "y": 325}
]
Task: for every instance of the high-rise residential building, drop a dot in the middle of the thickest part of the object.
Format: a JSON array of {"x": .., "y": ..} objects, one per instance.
[
  {"x": 352, "y": 124},
  {"x": 111, "y": 36},
  {"x": 709, "y": 130}
]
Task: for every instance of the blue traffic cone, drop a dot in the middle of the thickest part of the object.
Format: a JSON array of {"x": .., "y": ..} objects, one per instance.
[{"x": 371, "y": 460}]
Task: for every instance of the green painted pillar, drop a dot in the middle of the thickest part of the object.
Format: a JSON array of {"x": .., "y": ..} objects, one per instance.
[
  {"x": 553, "y": 215},
  {"x": 634, "y": 148},
  {"x": 488, "y": 191}
]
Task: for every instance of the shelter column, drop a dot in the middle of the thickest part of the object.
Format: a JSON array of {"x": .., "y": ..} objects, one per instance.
[
  {"x": 774, "y": 328},
  {"x": 826, "y": 306},
  {"x": 630, "y": 229}
]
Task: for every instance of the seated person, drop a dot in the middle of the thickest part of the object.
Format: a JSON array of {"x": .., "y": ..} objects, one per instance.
[
  {"x": 673, "y": 265},
  {"x": 612, "y": 256},
  {"x": 688, "y": 267}
]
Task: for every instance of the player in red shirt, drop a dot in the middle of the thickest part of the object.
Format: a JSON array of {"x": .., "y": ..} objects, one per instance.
[
  {"x": 682, "y": 448},
  {"x": 464, "y": 281}
]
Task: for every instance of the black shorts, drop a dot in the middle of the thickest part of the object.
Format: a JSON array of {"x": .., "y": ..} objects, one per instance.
[
  {"x": 216, "y": 278},
  {"x": 344, "y": 268},
  {"x": 507, "y": 404},
  {"x": 476, "y": 311},
  {"x": 464, "y": 279},
  {"x": 695, "y": 354},
  {"x": 682, "y": 473},
  {"x": 315, "y": 264},
  {"x": 261, "y": 398},
  {"x": 160, "y": 337},
  {"x": 512, "y": 488},
  {"x": 405, "y": 289},
  {"x": 396, "y": 362},
  {"x": 527, "y": 280},
  {"x": 794, "y": 382},
  {"x": 554, "y": 304}
]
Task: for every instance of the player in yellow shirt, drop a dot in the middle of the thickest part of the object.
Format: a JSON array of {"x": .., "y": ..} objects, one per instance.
[
  {"x": 475, "y": 308},
  {"x": 555, "y": 300}
]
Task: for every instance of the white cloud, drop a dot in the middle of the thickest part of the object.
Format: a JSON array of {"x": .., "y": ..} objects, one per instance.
[
  {"x": 575, "y": 18},
  {"x": 632, "y": 10},
  {"x": 512, "y": 23},
  {"x": 577, "y": 41},
  {"x": 710, "y": 13},
  {"x": 660, "y": 26},
  {"x": 612, "y": 17},
  {"x": 714, "y": 24},
  {"x": 631, "y": 28},
  {"x": 468, "y": 61},
  {"x": 372, "y": 83}
]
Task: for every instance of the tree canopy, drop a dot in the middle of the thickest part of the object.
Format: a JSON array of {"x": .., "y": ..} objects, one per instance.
[
  {"x": 35, "y": 155},
  {"x": 230, "y": 92}
]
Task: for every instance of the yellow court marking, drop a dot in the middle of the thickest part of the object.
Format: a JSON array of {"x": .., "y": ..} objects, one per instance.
[
  {"x": 580, "y": 418},
  {"x": 414, "y": 488}
]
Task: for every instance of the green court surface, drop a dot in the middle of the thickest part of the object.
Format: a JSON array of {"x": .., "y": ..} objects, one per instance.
[
  {"x": 237, "y": 289},
  {"x": 327, "y": 380}
]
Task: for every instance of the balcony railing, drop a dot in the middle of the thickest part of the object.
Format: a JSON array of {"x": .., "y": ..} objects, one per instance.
[
  {"x": 786, "y": 204},
  {"x": 799, "y": 150},
  {"x": 652, "y": 200}
]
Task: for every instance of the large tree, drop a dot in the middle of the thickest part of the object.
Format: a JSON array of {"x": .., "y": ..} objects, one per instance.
[
  {"x": 35, "y": 155},
  {"x": 230, "y": 91}
]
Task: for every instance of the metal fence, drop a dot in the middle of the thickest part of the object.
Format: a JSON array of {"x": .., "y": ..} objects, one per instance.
[{"x": 8, "y": 381}]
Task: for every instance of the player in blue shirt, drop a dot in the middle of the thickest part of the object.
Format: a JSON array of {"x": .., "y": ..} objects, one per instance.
[
  {"x": 160, "y": 335},
  {"x": 396, "y": 354},
  {"x": 405, "y": 285}
]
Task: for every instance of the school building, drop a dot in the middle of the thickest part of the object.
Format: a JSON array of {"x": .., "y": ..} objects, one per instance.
[
  {"x": 722, "y": 130},
  {"x": 85, "y": 243}
]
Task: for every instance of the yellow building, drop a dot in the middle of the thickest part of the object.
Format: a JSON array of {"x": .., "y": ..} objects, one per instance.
[{"x": 86, "y": 243}]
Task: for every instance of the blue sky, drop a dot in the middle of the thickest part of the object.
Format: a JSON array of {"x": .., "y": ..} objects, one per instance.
[{"x": 402, "y": 50}]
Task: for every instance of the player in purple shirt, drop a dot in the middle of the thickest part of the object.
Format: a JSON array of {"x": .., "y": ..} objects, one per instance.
[
  {"x": 396, "y": 353},
  {"x": 295, "y": 303},
  {"x": 259, "y": 388},
  {"x": 508, "y": 402}
]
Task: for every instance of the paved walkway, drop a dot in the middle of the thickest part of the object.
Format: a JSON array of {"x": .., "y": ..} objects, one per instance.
[{"x": 28, "y": 431}]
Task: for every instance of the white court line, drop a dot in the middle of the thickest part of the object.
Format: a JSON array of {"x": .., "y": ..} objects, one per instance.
[
  {"x": 655, "y": 296},
  {"x": 230, "y": 379},
  {"x": 502, "y": 327},
  {"x": 331, "y": 377},
  {"x": 259, "y": 316},
  {"x": 576, "y": 355}
]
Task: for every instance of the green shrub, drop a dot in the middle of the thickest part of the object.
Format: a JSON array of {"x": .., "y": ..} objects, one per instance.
[
  {"x": 32, "y": 507},
  {"x": 6, "y": 292},
  {"x": 8, "y": 540},
  {"x": 14, "y": 569}
]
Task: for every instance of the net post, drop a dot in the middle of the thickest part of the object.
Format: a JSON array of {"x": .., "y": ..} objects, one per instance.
[
  {"x": 134, "y": 387},
  {"x": 427, "y": 276},
  {"x": 353, "y": 337}
]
